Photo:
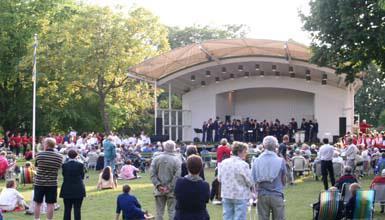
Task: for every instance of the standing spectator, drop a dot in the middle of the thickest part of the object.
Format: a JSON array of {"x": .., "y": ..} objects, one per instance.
[
  {"x": 73, "y": 190},
  {"x": 192, "y": 193},
  {"x": 269, "y": 173},
  {"x": 326, "y": 153},
  {"x": 48, "y": 163},
  {"x": 18, "y": 143},
  {"x": 165, "y": 170},
  {"x": 235, "y": 178},
  {"x": 223, "y": 151},
  {"x": 191, "y": 150},
  {"x": 109, "y": 153},
  {"x": 351, "y": 153},
  {"x": 283, "y": 147},
  {"x": 25, "y": 141}
]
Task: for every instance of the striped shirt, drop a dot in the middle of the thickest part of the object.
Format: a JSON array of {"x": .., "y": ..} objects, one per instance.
[{"x": 48, "y": 164}]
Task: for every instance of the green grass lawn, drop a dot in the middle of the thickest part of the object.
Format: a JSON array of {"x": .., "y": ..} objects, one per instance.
[{"x": 101, "y": 204}]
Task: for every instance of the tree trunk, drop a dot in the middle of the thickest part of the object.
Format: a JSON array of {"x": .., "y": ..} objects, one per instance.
[{"x": 104, "y": 113}]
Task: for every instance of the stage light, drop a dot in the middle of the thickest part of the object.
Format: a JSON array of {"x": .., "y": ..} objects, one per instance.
[
  {"x": 217, "y": 80},
  {"x": 193, "y": 78},
  {"x": 262, "y": 73},
  {"x": 277, "y": 74},
  {"x": 223, "y": 69},
  {"x": 308, "y": 78},
  {"x": 257, "y": 67},
  {"x": 203, "y": 83},
  {"x": 208, "y": 73},
  {"x": 231, "y": 76},
  {"x": 274, "y": 68},
  {"x": 291, "y": 69},
  {"x": 247, "y": 74},
  {"x": 324, "y": 79},
  {"x": 240, "y": 68}
]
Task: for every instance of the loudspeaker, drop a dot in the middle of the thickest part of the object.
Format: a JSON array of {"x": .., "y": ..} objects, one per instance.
[
  {"x": 227, "y": 118},
  {"x": 159, "y": 126},
  {"x": 342, "y": 126}
]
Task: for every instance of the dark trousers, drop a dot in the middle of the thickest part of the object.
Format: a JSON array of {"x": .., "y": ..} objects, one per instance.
[
  {"x": 327, "y": 167},
  {"x": 77, "y": 204}
]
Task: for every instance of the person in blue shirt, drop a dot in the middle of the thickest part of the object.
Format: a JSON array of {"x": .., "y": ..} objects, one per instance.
[{"x": 129, "y": 205}]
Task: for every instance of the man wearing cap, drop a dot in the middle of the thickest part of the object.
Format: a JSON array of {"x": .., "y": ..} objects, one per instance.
[{"x": 165, "y": 170}]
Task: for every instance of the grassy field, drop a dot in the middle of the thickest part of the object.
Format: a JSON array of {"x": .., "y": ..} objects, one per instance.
[{"x": 101, "y": 204}]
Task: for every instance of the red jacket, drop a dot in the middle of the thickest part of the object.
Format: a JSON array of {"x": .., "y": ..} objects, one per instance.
[
  {"x": 25, "y": 140},
  {"x": 222, "y": 151},
  {"x": 378, "y": 180}
]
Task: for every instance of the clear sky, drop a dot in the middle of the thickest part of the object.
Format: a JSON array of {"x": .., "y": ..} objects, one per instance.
[{"x": 267, "y": 19}]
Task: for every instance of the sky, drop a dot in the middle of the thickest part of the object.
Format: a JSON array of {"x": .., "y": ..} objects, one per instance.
[{"x": 267, "y": 19}]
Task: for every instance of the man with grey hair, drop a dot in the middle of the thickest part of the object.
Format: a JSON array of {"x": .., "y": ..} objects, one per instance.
[
  {"x": 269, "y": 174},
  {"x": 165, "y": 170},
  {"x": 351, "y": 153},
  {"x": 347, "y": 178}
]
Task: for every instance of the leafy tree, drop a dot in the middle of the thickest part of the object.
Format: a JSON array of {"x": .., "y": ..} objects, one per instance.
[
  {"x": 370, "y": 99},
  {"x": 347, "y": 34},
  {"x": 91, "y": 53},
  {"x": 179, "y": 37},
  {"x": 19, "y": 21},
  {"x": 382, "y": 118}
]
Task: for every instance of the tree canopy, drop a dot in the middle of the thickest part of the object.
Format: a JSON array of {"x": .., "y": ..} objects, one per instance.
[{"x": 347, "y": 34}]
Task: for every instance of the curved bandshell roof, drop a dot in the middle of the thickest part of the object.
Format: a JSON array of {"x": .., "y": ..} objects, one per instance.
[{"x": 215, "y": 50}]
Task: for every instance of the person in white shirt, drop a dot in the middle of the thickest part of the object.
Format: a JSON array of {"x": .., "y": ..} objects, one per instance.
[
  {"x": 338, "y": 159},
  {"x": 350, "y": 153},
  {"x": 326, "y": 153},
  {"x": 10, "y": 198},
  {"x": 366, "y": 160},
  {"x": 236, "y": 181}
]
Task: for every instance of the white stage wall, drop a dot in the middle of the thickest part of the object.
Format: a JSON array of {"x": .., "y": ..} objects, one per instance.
[
  {"x": 328, "y": 101},
  {"x": 266, "y": 103}
]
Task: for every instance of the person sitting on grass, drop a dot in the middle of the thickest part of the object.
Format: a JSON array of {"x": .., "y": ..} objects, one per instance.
[
  {"x": 128, "y": 171},
  {"x": 130, "y": 206},
  {"x": 379, "y": 180},
  {"x": 349, "y": 208},
  {"x": 10, "y": 198},
  {"x": 346, "y": 178},
  {"x": 106, "y": 179}
]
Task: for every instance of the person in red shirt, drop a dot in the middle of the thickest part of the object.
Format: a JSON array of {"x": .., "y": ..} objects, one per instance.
[
  {"x": 379, "y": 180},
  {"x": 223, "y": 151},
  {"x": 18, "y": 143},
  {"x": 364, "y": 126},
  {"x": 3, "y": 164},
  {"x": 25, "y": 141}
]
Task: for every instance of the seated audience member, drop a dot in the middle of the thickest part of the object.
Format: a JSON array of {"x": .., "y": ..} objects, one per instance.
[
  {"x": 28, "y": 155},
  {"x": 106, "y": 179},
  {"x": 191, "y": 150},
  {"x": 349, "y": 208},
  {"x": 192, "y": 193},
  {"x": 316, "y": 206},
  {"x": 10, "y": 198},
  {"x": 3, "y": 164},
  {"x": 128, "y": 171},
  {"x": 337, "y": 158},
  {"x": 129, "y": 205},
  {"x": 379, "y": 180},
  {"x": 348, "y": 178},
  {"x": 380, "y": 164}
]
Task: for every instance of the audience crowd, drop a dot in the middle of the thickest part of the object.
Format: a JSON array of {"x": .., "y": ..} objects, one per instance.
[{"x": 177, "y": 171}]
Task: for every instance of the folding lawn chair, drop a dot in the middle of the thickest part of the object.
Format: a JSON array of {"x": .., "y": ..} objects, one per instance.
[{"x": 329, "y": 202}]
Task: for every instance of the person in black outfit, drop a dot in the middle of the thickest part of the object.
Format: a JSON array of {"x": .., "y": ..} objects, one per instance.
[
  {"x": 192, "y": 193},
  {"x": 73, "y": 189},
  {"x": 210, "y": 128},
  {"x": 204, "y": 132},
  {"x": 215, "y": 126},
  {"x": 191, "y": 150}
]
